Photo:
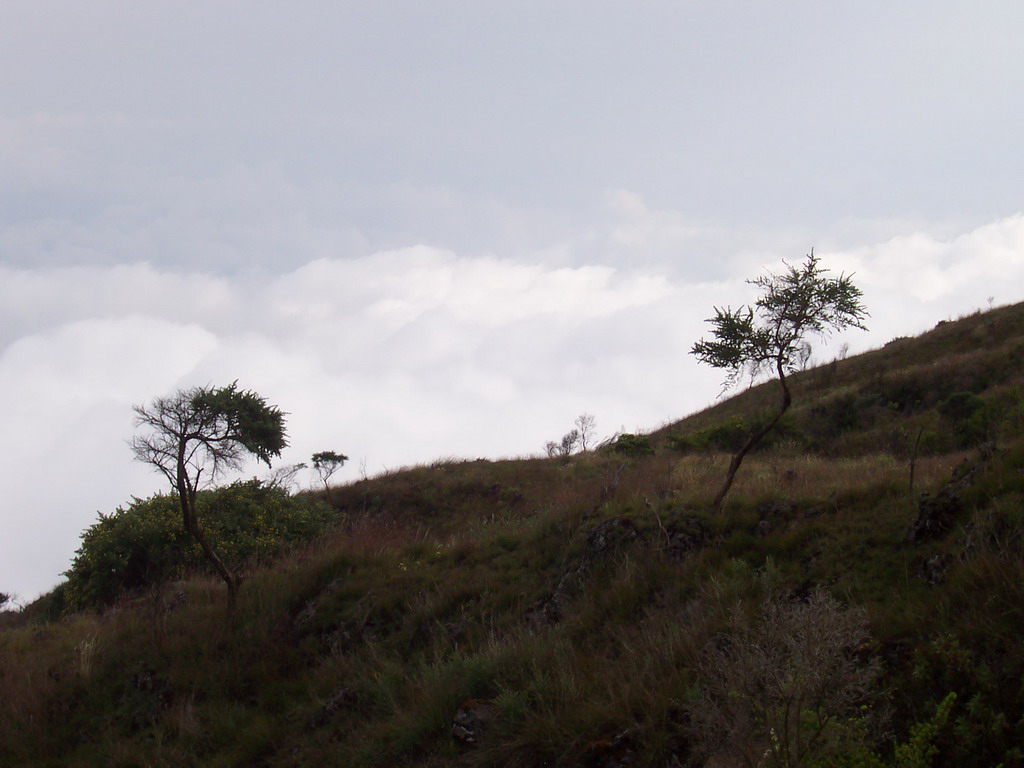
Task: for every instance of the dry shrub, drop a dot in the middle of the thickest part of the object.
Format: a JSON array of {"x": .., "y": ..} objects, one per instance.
[{"x": 786, "y": 688}]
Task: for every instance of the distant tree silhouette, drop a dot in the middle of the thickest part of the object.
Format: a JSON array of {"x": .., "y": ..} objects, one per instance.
[
  {"x": 565, "y": 447},
  {"x": 585, "y": 425},
  {"x": 326, "y": 463}
]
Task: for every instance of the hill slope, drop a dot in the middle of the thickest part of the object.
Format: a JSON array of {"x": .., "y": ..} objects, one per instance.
[{"x": 588, "y": 612}]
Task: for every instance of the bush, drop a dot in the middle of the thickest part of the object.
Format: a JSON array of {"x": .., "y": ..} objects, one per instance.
[
  {"x": 146, "y": 543},
  {"x": 633, "y": 445},
  {"x": 974, "y": 419},
  {"x": 731, "y": 435},
  {"x": 841, "y": 414},
  {"x": 960, "y": 406},
  {"x": 727, "y": 436},
  {"x": 789, "y": 688}
]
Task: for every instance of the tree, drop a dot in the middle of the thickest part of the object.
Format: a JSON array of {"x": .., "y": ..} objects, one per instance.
[
  {"x": 772, "y": 335},
  {"x": 585, "y": 424},
  {"x": 326, "y": 463},
  {"x": 284, "y": 476},
  {"x": 206, "y": 431},
  {"x": 564, "y": 448}
]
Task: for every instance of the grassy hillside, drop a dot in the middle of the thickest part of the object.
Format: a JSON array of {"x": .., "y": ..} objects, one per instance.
[{"x": 588, "y": 611}]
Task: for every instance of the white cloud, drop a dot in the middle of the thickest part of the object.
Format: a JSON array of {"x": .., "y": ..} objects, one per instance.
[
  {"x": 68, "y": 394},
  {"x": 32, "y": 299},
  {"x": 640, "y": 229},
  {"x": 912, "y": 281}
]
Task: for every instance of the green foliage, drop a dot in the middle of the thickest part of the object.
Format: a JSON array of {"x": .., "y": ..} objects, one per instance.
[
  {"x": 772, "y": 334},
  {"x": 728, "y": 435},
  {"x": 960, "y": 406},
  {"x": 628, "y": 444},
  {"x": 918, "y": 751},
  {"x": 242, "y": 416},
  {"x": 326, "y": 463},
  {"x": 920, "y": 748},
  {"x": 206, "y": 430},
  {"x": 144, "y": 543},
  {"x": 843, "y": 413},
  {"x": 973, "y": 418},
  {"x": 132, "y": 547},
  {"x": 47, "y": 607},
  {"x": 731, "y": 434}
]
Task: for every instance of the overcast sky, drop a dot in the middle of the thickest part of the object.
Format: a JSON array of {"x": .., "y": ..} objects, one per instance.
[{"x": 447, "y": 228}]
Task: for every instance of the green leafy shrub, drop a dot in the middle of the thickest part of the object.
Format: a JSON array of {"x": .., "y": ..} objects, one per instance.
[
  {"x": 977, "y": 428},
  {"x": 960, "y": 406},
  {"x": 145, "y": 542},
  {"x": 974, "y": 419},
  {"x": 847, "y": 412},
  {"x": 843, "y": 413},
  {"x": 732, "y": 434},
  {"x": 987, "y": 728},
  {"x": 633, "y": 445},
  {"x": 905, "y": 393},
  {"x": 727, "y": 436},
  {"x": 918, "y": 751}
]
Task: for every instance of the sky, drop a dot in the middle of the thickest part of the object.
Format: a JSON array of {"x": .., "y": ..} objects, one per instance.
[{"x": 445, "y": 229}]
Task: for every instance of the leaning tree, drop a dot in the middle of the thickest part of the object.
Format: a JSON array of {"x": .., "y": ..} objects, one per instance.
[
  {"x": 195, "y": 435},
  {"x": 772, "y": 335}
]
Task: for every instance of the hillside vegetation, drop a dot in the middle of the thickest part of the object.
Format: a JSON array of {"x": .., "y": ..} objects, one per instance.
[{"x": 857, "y": 602}]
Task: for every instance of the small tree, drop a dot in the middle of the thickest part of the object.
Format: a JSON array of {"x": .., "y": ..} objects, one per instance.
[
  {"x": 194, "y": 436},
  {"x": 772, "y": 335},
  {"x": 585, "y": 425},
  {"x": 283, "y": 477},
  {"x": 564, "y": 448},
  {"x": 326, "y": 463}
]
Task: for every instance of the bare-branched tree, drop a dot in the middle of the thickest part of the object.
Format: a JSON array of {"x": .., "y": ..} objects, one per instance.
[
  {"x": 283, "y": 477},
  {"x": 565, "y": 447},
  {"x": 788, "y": 688},
  {"x": 585, "y": 425}
]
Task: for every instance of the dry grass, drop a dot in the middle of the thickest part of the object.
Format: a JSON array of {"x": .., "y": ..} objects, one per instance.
[{"x": 803, "y": 477}]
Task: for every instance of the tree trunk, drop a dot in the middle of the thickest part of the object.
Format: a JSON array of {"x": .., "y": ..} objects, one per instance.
[
  {"x": 187, "y": 497},
  {"x": 737, "y": 459}
]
